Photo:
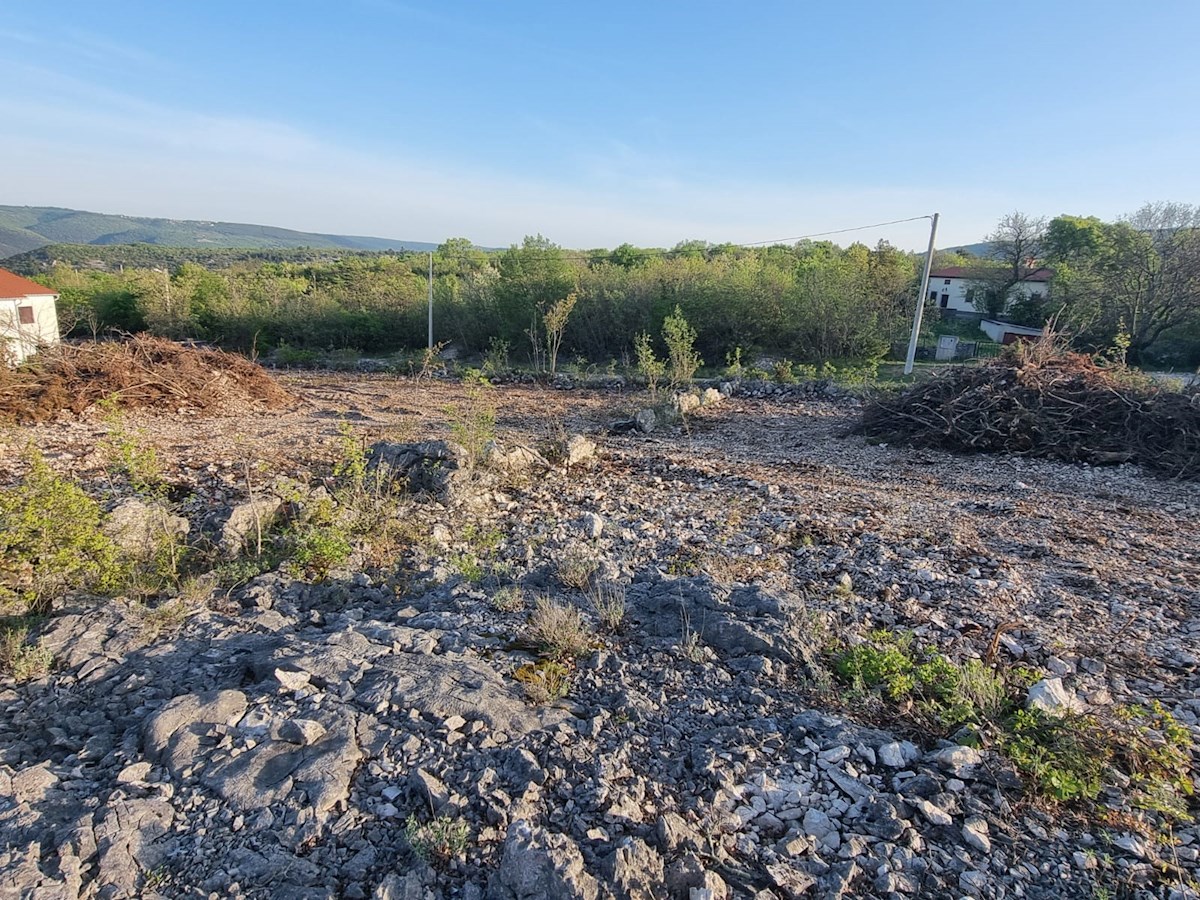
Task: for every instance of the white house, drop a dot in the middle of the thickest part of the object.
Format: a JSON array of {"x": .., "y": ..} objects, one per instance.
[
  {"x": 953, "y": 288},
  {"x": 28, "y": 317}
]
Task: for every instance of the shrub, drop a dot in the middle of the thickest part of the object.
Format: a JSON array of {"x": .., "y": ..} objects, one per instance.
[
  {"x": 51, "y": 540},
  {"x": 575, "y": 568},
  {"x": 508, "y": 599},
  {"x": 438, "y": 841},
  {"x": 320, "y": 549},
  {"x": 649, "y": 366},
  {"x": 287, "y": 355},
  {"x": 783, "y": 373},
  {"x": 559, "y": 630},
  {"x": 128, "y": 454},
  {"x": 682, "y": 357},
  {"x": 544, "y": 681}
]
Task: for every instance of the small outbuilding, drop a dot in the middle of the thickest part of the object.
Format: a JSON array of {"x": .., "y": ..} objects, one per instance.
[
  {"x": 28, "y": 317},
  {"x": 1007, "y": 332}
]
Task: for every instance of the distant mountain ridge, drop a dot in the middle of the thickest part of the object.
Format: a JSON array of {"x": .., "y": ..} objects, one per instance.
[{"x": 25, "y": 228}]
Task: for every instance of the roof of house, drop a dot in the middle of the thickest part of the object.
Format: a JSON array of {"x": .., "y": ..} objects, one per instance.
[
  {"x": 1042, "y": 274},
  {"x": 1014, "y": 329},
  {"x": 14, "y": 286}
]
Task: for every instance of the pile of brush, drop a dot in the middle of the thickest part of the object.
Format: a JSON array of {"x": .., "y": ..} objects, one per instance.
[
  {"x": 1040, "y": 399},
  {"x": 141, "y": 372}
]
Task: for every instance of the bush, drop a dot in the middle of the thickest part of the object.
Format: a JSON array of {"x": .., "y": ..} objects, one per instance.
[
  {"x": 682, "y": 358},
  {"x": 51, "y": 540},
  {"x": 544, "y": 681},
  {"x": 438, "y": 841},
  {"x": 320, "y": 549},
  {"x": 559, "y": 629}
]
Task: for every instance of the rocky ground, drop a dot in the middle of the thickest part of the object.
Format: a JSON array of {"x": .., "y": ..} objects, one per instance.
[{"x": 364, "y": 734}]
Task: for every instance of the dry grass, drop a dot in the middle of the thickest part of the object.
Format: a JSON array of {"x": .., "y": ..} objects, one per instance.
[{"x": 559, "y": 629}]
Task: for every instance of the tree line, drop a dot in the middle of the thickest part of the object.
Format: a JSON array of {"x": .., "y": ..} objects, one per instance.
[
  {"x": 1133, "y": 284},
  {"x": 810, "y": 301}
]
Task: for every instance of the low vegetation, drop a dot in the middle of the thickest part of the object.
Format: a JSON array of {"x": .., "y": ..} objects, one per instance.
[{"x": 1065, "y": 757}]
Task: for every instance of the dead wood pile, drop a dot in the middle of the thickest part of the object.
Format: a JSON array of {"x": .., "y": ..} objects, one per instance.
[
  {"x": 142, "y": 372},
  {"x": 1041, "y": 400}
]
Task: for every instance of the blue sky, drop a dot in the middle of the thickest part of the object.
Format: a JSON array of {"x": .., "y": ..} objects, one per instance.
[{"x": 596, "y": 124}]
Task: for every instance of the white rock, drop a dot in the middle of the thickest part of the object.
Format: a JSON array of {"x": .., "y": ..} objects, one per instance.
[
  {"x": 931, "y": 811},
  {"x": 1051, "y": 697}
]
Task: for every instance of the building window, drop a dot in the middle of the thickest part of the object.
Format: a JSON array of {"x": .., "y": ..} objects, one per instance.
[
  {"x": 970, "y": 295},
  {"x": 25, "y": 314},
  {"x": 945, "y": 300},
  {"x": 933, "y": 295},
  {"x": 1036, "y": 297},
  {"x": 947, "y": 281}
]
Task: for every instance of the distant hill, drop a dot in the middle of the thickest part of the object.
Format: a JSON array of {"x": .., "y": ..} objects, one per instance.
[
  {"x": 982, "y": 250},
  {"x": 25, "y": 228}
]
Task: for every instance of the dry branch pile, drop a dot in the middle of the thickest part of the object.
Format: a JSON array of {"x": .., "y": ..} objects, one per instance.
[
  {"x": 1042, "y": 400},
  {"x": 143, "y": 372}
]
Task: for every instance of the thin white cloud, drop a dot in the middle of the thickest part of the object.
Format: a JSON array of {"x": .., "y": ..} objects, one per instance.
[{"x": 84, "y": 146}]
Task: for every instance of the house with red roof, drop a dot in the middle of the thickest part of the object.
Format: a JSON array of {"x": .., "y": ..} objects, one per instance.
[
  {"x": 28, "y": 317},
  {"x": 953, "y": 288}
]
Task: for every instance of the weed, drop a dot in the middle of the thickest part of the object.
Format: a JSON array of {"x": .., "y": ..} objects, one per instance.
[
  {"x": 156, "y": 878},
  {"x": 51, "y": 540},
  {"x": 1060, "y": 754},
  {"x": 495, "y": 358},
  {"x": 430, "y": 363},
  {"x": 782, "y": 371},
  {"x": 575, "y": 568},
  {"x": 544, "y": 681},
  {"x": 163, "y": 618},
  {"x": 478, "y": 559},
  {"x": 648, "y": 365},
  {"x": 438, "y": 841},
  {"x": 733, "y": 364},
  {"x": 467, "y": 564},
  {"x": 508, "y": 599},
  {"x": 473, "y": 428},
  {"x": 319, "y": 549},
  {"x": 19, "y": 658},
  {"x": 128, "y": 454},
  {"x": 351, "y": 465},
  {"x": 608, "y": 602},
  {"x": 682, "y": 358},
  {"x": 559, "y": 630},
  {"x": 690, "y": 645}
]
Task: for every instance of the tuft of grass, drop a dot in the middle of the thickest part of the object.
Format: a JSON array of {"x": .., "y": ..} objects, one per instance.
[
  {"x": 20, "y": 658},
  {"x": 544, "y": 681},
  {"x": 575, "y": 568},
  {"x": 559, "y": 630},
  {"x": 438, "y": 841},
  {"x": 508, "y": 599},
  {"x": 608, "y": 602}
]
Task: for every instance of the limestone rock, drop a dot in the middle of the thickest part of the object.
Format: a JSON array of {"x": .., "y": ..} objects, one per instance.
[{"x": 539, "y": 865}]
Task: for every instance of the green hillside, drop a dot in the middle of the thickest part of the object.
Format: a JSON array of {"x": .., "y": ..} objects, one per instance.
[{"x": 25, "y": 228}]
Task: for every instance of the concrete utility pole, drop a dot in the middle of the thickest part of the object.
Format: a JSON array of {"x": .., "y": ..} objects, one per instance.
[
  {"x": 916, "y": 329},
  {"x": 431, "y": 299}
]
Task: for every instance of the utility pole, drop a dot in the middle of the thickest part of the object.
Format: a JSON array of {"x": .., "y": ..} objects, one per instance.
[
  {"x": 430, "y": 299},
  {"x": 916, "y": 329}
]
